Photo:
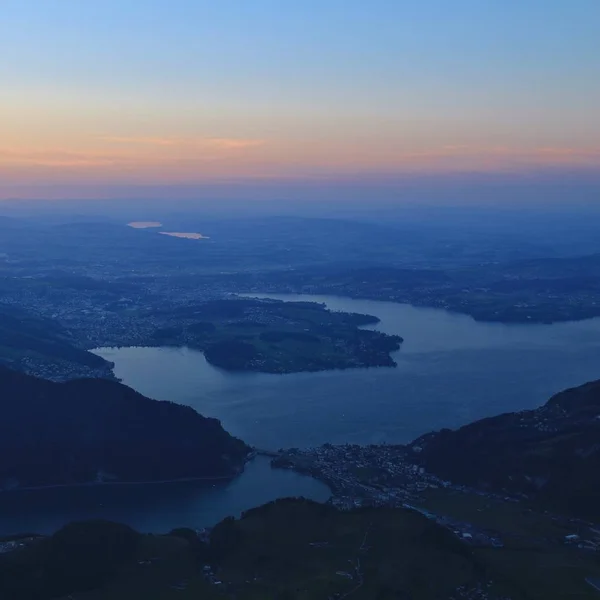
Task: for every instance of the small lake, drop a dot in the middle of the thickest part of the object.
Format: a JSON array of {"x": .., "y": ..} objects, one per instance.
[
  {"x": 155, "y": 508},
  {"x": 451, "y": 370},
  {"x": 185, "y": 236}
]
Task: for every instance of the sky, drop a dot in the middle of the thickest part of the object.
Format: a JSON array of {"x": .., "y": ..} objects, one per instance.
[{"x": 100, "y": 98}]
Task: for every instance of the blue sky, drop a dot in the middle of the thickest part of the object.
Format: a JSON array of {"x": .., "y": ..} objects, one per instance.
[{"x": 191, "y": 91}]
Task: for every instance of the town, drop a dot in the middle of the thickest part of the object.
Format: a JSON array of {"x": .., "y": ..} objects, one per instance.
[{"x": 387, "y": 475}]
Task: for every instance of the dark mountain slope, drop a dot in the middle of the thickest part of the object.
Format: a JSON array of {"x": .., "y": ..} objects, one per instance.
[
  {"x": 287, "y": 550},
  {"x": 551, "y": 454},
  {"x": 25, "y": 335},
  {"x": 93, "y": 430}
]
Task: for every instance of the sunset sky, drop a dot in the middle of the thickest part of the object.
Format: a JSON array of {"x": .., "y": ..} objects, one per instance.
[{"x": 99, "y": 96}]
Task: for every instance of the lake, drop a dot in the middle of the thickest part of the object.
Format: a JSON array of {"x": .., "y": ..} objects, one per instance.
[
  {"x": 155, "y": 508},
  {"x": 451, "y": 370}
]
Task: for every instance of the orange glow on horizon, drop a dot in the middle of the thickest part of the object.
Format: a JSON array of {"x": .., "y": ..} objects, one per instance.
[{"x": 173, "y": 160}]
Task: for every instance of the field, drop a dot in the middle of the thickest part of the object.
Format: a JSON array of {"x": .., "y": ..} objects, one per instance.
[
  {"x": 535, "y": 557},
  {"x": 301, "y": 550}
]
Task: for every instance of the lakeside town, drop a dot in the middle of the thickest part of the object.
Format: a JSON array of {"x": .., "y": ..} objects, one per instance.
[
  {"x": 385, "y": 476},
  {"x": 377, "y": 476}
]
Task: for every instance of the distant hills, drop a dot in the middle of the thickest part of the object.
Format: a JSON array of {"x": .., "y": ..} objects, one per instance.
[
  {"x": 544, "y": 290},
  {"x": 551, "y": 454},
  {"x": 94, "y": 430}
]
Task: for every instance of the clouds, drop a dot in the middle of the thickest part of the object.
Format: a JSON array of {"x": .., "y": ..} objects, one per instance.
[
  {"x": 172, "y": 159},
  {"x": 54, "y": 158},
  {"x": 117, "y": 155},
  {"x": 315, "y": 90},
  {"x": 186, "y": 143}
]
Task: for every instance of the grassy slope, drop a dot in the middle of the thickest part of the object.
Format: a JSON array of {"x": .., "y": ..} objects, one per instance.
[
  {"x": 535, "y": 558},
  {"x": 398, "y": 553},
  {"x": 268, "y": 555}
]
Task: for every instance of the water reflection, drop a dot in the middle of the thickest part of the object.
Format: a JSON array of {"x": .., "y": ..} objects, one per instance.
[
  {"x": 451, "y": 370},
  {"x": 154, "y": 507}
]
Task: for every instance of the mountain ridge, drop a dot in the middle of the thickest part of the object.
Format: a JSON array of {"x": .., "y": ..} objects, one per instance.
[
  {"x": 550, "y": 454},
  {"x": 96, "y": 430}
]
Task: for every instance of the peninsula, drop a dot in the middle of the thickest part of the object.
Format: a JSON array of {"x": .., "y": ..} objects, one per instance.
[{"x": 271, "y": 336}]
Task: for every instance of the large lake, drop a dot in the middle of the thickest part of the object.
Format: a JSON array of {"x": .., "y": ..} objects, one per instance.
[{"x": 451, "y": 370}]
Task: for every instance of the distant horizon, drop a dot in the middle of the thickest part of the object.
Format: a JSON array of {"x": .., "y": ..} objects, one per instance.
[{"x": 548, "y": 191}]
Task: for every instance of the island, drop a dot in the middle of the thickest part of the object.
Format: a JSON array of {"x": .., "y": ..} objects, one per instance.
[
  {"x": 94, "y": 431},
  {"x": 271, "y": 336}
]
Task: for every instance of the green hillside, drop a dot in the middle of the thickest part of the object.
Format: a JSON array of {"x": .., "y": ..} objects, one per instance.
[{"x": 291, "y": 550}]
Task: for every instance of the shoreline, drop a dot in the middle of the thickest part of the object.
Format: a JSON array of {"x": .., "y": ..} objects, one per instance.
[
  {"x": 478, "y": 317},
  {"x": 391, "y": 365},
  {"x": 39, "y": 488}
]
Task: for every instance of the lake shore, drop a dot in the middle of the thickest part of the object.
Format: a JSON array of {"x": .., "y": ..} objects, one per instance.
[
  {"x": 451, "y": 370},
  {"x": 155, "y": 507},
  {"x": 91, "y": 484}
]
